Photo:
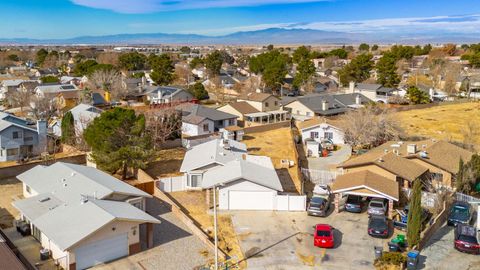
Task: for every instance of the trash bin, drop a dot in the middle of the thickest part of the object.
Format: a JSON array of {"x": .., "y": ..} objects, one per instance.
[
  {"x": 412, "y": 259},
  {"x": 393, "y": 247},
  {"x": 44, "y": 254},
  {"x": 378, "y": 252}
]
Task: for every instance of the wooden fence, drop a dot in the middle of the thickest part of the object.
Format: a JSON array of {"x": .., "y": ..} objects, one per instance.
[{"x": 437, "y": 222}]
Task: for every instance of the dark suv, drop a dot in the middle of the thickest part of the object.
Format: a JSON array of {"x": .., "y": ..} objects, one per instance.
[
  {"x": 354, "y": 204},
  {"x": 466, "y": 239},
  {"x": 460, "y": 213},
  {"x": 378, "y": 226}
]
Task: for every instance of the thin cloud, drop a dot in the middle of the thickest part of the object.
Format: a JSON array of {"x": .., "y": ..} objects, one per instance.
[{"x": 151, "y": 6}]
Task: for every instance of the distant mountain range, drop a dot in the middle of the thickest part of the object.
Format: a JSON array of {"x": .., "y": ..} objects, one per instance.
[{"x": 260, "y": 37}]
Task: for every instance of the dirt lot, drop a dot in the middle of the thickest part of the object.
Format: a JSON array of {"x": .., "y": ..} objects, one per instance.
[
  {"x": 277, "y": 144},
  {"x": 9, "y": 189},
  {"x": 168, "y": 163},
  {"x": 194, "y": 202},
  {"x": 446, "y": 122}
]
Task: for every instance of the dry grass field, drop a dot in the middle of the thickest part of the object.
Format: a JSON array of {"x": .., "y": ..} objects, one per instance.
[
  {"x": 10, "y": 189},
  {"x": 277, "y": 144},
  {"x": 446, "y": 122},
  {"x": 167, "y": 164}
]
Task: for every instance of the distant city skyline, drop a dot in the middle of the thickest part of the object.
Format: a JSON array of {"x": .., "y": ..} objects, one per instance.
[{"x": 56, "y": 19}]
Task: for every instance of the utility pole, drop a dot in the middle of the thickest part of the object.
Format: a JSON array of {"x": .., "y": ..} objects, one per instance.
[{"x": 215, "y": 225}]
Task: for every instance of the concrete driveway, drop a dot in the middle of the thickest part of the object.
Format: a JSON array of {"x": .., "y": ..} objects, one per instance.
[
  {"x": 334, "y": 158},
  {"x": 284, "y": 240},
  {"x": 440, "y": 254}
]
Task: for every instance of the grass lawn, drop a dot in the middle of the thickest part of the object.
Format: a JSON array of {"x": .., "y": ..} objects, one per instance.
[
  {"x": 194, "y": 202},
  {"x": 446, "y": 122},
  {"x": 167, "y": 164},
  {"x": 277, "y": 144},
  {"x": 9, "y": 189}
]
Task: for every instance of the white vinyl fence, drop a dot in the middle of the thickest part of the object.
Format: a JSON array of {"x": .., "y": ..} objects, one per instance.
[
  {"x": 466, "y": 198},
  {"x": 172, "y": 184},
  {"x": 287, "y": 202},
  {"x": 320, "y": 177}
]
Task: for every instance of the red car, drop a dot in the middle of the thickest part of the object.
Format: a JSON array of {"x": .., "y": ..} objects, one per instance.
[{"x": 323, "y": 236}]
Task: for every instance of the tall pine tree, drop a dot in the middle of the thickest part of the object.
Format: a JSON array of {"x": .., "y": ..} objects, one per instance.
[
  {"x": 68, "y": 128},
  {"x": 414, "y": 225}
]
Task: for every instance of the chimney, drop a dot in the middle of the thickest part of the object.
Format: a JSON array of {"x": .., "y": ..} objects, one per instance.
[
  {"x": 351, "y": 87},
  {"x": 324, "y": 105},
  {"x": 358, "y": 100},
  {"x": 411, "y": 149},
  {"x": 144, "y": 81}
]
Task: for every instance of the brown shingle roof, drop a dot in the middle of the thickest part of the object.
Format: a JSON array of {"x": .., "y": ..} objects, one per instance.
[
  {"x": 8, "y": 260},
  {"x": 243, "y": 107},
  {"x": 260, "y": 97},
  {"x": 402, "y": 167},
  {"x": 366, "y": 179}
]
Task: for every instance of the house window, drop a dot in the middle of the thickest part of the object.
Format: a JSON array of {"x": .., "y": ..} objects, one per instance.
[
  {"x": 16, "y": 135},
  {"x": 231, "y": 122},
  {"x": 276, "y": 103},
  {"x": 205, "y": 127},
  {"x": 437, "y": 176},
  {"x": 328, "y": 135},
  {"x": 298, "y": 112},
  {"x": 1, "y": 152},
  {"x": 27, "y": 188},
  {"x": 266, "y": 104},
  {"x": 307, "y": 114},
  {"x": 12, "y": 152},
  {"x": 194, "y": 180},
  {"x": 314, "y": 135}
]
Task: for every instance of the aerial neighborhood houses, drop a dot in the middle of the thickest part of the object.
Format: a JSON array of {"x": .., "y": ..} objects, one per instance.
[{"x": 82, "y": 215}]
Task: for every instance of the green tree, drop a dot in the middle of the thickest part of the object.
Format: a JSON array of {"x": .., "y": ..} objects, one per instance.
[
  {"x": 138, "y": 75},
  {"x": 273, "y": 66},
  {"x": 305, "y": 71},
  {"x": 84, "y": 68},
  {"x": 459, "y": 180},
  {"x": 387, "y": 71},
  {"x": 227, "y": 58},
  {"x": 468, "y": 176},
  {"x": 364, "y": 47},
  {"x": 270, "y": 47},
  {"x": 198, "y": 91},
  {"x": 417, "y": 96},
  {"x": 119, "y": 141},
  {"x": 414, "y": 225},
  {"x": 357, "y": 70},
  {"x": 196, "y": 62},
  {"x": 341, "y": 53},
  {"x": 50, "y": 79},
  {"x": 300, "y": 54},
  {"x": 68, "y": 128},
  {"x": 13, "y": 57},
  {"x": 185, "y": 49},
  {"x": 132, "y": 61},
  {"x": 162, "y": 69},
  {"x": 41, "y": 55},
  {"x": 374, "y": 47},
  {"x": 213, "y": 62}
]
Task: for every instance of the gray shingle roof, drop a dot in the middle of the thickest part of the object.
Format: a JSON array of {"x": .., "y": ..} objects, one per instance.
[
  {"x": 194, "y": 113},
  {"x": 243, "y": 169},
  {"x": 368, "y": 86},
  {"x": 212, "y": 152},
  {"x": 337, "y": 104},
  {"x": 70, "y": 182},
  {"x": 66, "y": 225}
]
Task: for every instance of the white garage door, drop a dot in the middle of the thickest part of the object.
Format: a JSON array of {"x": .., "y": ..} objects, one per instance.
[
  {"x": 251, "y": 200},
  {"x": 101, "y": 251}
]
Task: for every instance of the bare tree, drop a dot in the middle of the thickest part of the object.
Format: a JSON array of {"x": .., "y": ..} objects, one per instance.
[
  {"x": 163, "y": 125},
  {"x": 110, "y": 58},
  {"x": 42, "y": 108},
  {"x": 109, "y": 81},
  {"x": 217, "y": 89},
  {"x": 470, "y": 134},
  {"x": 369, "y": 127},
  {"x": 183, "y": 73},
  {"x": 451, "y": 73},
  {"x": 19, "y": 98},
  {"x": 51, "y": 61},
  {"x": 252, "y": 83}
]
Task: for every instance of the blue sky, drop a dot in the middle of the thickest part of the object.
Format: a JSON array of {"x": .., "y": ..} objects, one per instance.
[{"x": 70, "y": 18}]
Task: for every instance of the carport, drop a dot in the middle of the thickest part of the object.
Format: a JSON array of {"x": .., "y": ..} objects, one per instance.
[{"x": 367, "y": 184}]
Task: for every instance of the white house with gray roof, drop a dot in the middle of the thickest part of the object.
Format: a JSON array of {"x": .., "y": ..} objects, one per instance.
[
  {"x": 200, "y": 120},
  {"x": 83, "y": 215},
  {"x": 19, "y": 138},
  {"x": 83, "y": 115}
]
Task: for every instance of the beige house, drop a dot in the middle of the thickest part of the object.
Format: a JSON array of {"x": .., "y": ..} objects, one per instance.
[{"x": 256, "y": 109}]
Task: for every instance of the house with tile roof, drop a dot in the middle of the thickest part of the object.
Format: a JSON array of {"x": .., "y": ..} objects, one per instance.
[{"x": 82, "y": 215}]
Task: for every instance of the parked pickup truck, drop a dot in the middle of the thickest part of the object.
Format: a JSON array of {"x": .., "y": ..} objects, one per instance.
[{"x": 401, "y": 218}]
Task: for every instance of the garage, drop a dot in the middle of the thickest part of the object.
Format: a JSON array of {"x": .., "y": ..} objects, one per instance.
[
  {"x": 251, "y": 200},
  {"x": 101, "y": 251}
]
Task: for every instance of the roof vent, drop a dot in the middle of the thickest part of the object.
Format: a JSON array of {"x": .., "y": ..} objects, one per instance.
[
  {"x": 64, "y": 180},
  {"x": 221, "y": 154},
  {"x": 385, "y": 151},
  {"x": 45, "y": 199},
  {"x": 380, "y": 159},
  {"x": 411, "y": 149},
  {"x": 424, "y": 146},
  {"x": 64, "y": 185},
  {"x": 73, "y": 174},
  {"x": 423, "y": 154},
  {"x": 83, "y": 199}
]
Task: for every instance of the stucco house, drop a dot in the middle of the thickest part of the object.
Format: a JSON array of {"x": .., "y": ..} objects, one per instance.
[
  {"x": 83, "y": 115},
  {"x": 82, "y": 215},
  {"x": 167, "y": 94},
  {"x": 319, "y": 129},
  {"x": 19, "y": 138},
  {"x": 200, "y": 120},
  {"x": 257, "y": 109},
  {"x": 373, "y": 91},
  {"x": 68, "y": 94}
]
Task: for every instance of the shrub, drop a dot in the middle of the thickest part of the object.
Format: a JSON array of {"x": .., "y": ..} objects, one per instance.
[{"x": 391, "y": 258}]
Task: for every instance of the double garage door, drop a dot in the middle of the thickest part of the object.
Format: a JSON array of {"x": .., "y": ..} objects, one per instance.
[
  {"x": 251, "y": 200},
  {"x": 101, "y": 251}
]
